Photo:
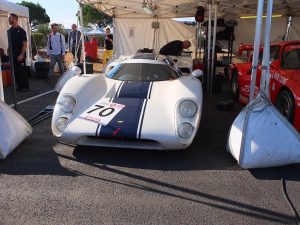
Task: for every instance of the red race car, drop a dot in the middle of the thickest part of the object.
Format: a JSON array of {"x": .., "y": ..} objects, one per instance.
[{"x": 284, "y": 83}]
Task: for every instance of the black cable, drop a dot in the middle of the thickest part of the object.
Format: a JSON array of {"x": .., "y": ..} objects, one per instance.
[{"x": 289, "y": 200}]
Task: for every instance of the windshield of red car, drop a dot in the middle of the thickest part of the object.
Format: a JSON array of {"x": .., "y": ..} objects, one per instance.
[
  {"x": 291, "y": 57},
  {"x": 142, "y": 72}
]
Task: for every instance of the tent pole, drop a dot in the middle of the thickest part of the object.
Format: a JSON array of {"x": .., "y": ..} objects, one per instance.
[
  {"x": 198, "y": 35},
  {"x": 82, "y": 38},
  {"x": 212, "y": 70},
  {"x": 12, "y": 70},
  {"x": 208, "y": 48},
  {"x": 200, "y": 39},
  {"x": 288, "y": 29},
  {"x": 265, "y": 76},
  {"x": 260, "y": 7},
  {"x": 1, "y": 83}
]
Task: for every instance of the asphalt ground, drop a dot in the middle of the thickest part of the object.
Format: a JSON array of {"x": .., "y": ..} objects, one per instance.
[{"x": 45, "y": 182}]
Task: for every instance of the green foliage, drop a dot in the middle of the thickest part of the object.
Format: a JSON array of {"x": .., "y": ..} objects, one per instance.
[
  {"x": 39, "y": 40},
  {"x": 92, "y": 15},
  {"x": 43, "y": 29},
  {"x": 37, "y": 14}
]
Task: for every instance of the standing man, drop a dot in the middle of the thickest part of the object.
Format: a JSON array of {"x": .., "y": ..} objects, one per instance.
[
  {"x": 18, "y": 45},
  {"x": 174, "y": 47},
  {"x": 55, "y": 50},
  {"x": 74, "y": 43},
  {"x": 108, "y": 46}
]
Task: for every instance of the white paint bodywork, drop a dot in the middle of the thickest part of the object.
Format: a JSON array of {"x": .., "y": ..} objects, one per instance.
[{"x": 161, "y": 117}]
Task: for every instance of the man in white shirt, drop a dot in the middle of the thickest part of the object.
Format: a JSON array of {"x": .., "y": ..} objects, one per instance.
[{"x": 56, "y": 50}]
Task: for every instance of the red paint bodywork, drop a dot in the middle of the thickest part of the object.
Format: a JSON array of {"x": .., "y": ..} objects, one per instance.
[{"x": 280, "y": 78}]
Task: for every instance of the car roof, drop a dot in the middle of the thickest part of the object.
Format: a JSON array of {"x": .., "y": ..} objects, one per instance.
[
  {"x": 283, "y": 43},
  {"x": 148, "y": 61},
  {"x": 152, "y": 56},
  {"x": 144, "y": 56}
]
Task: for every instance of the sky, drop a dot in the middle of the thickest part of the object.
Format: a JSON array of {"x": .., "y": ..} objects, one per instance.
[{"x": 59, "y": 11}]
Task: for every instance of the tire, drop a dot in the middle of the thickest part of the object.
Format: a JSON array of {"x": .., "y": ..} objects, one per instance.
[
  {"x": 285, "y": 104},
  {"x": 235, "y": 87}
]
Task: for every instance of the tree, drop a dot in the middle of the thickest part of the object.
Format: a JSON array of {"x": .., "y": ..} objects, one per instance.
[
  {"x": 37, "y": 14},
  {"x": 92, "y": 15}
]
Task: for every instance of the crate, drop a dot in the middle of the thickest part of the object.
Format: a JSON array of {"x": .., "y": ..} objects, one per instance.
[
  {"x": 42, "y": 69},
  {"x": 6, "y": 75},
  {"x": 89, "y": 67}
]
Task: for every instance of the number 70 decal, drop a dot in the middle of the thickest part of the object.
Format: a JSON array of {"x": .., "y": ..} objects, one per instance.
[{"x": 102, "y": 112}]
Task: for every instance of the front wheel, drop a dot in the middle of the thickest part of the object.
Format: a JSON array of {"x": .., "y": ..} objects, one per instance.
[
  {"x": 286, "y": 105},
  {"x": 235, "y": 85}
]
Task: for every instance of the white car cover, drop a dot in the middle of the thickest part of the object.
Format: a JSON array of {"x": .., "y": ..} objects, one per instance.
[
  {"x": 13, "y": 130},
  {"x": 71, "y": 72},
  {"x": 261, "y": 137}
]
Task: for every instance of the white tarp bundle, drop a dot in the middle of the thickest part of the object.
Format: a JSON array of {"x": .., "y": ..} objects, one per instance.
[
  {"x": 261, "y": 137},
  {"x": 71, "y": 72},
  {"x": 13, "y": 129},
  {"x": 132, "y": 34}
]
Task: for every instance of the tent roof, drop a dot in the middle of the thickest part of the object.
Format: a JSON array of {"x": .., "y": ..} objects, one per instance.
[
  {"x": 184, "y": 8},
  {"x": 96, "y": 31},
  {"x": 9, "y": 7}
]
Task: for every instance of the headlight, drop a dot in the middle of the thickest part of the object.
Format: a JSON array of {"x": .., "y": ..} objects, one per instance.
[
  {"x": 187, "y": 108},
  {"x": 185, "y": 130},
  {"x": 66, "y": 103},
  {"x": 61, "y": 123}
]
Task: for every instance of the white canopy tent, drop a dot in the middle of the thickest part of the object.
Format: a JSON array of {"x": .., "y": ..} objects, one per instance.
[
  {"x": 162, "y": 9},
  {"x": 23, "y": 14}
]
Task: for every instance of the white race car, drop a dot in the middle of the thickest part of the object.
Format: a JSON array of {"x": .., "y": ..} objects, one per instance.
[{"x": 140, "y": 103}]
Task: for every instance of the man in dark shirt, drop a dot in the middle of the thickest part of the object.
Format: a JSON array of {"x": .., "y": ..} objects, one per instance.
[
  {"x": 18, "y": 45},
  {"x": 108, "y": 46},
  {"x": 175, "y": 47},
  {"x": 74, "y": 43}
]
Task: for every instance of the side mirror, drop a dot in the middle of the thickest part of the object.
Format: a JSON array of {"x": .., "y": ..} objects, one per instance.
[{"x": 197, "y": 73}]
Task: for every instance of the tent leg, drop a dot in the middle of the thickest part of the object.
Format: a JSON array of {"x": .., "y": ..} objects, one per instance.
[
  {"x": 260, "y": 7},
  {"x": 1, "y": 83},
  {"x": 212, "y": 70},
  {"x": 265, "y": 76},
  {"x": 82, "y": 38},
  {"x": 208, "y": 49},
  {"x": 12, "y": 70}
]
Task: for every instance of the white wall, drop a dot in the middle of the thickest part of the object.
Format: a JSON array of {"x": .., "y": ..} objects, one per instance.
[
  {"x": 133, "y": 34},
  {"x": 245, "y": 31}
]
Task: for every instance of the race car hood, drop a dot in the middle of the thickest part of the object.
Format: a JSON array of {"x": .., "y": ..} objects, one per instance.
[{"x": 148, "y": 106}]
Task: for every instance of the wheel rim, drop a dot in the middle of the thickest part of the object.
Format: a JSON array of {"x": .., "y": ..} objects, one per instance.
[{"x": 284, "y": 106}]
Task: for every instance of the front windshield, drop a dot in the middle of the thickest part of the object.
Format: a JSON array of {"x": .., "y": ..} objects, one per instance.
[
  {"x": 142, "y": 72},
  {"x": 291, "y": 59}
]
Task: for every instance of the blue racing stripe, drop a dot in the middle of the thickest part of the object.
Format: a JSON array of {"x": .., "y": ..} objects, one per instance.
[
  {"x": 125, "y": 124},
  {"x": 134, "y": 90}
]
